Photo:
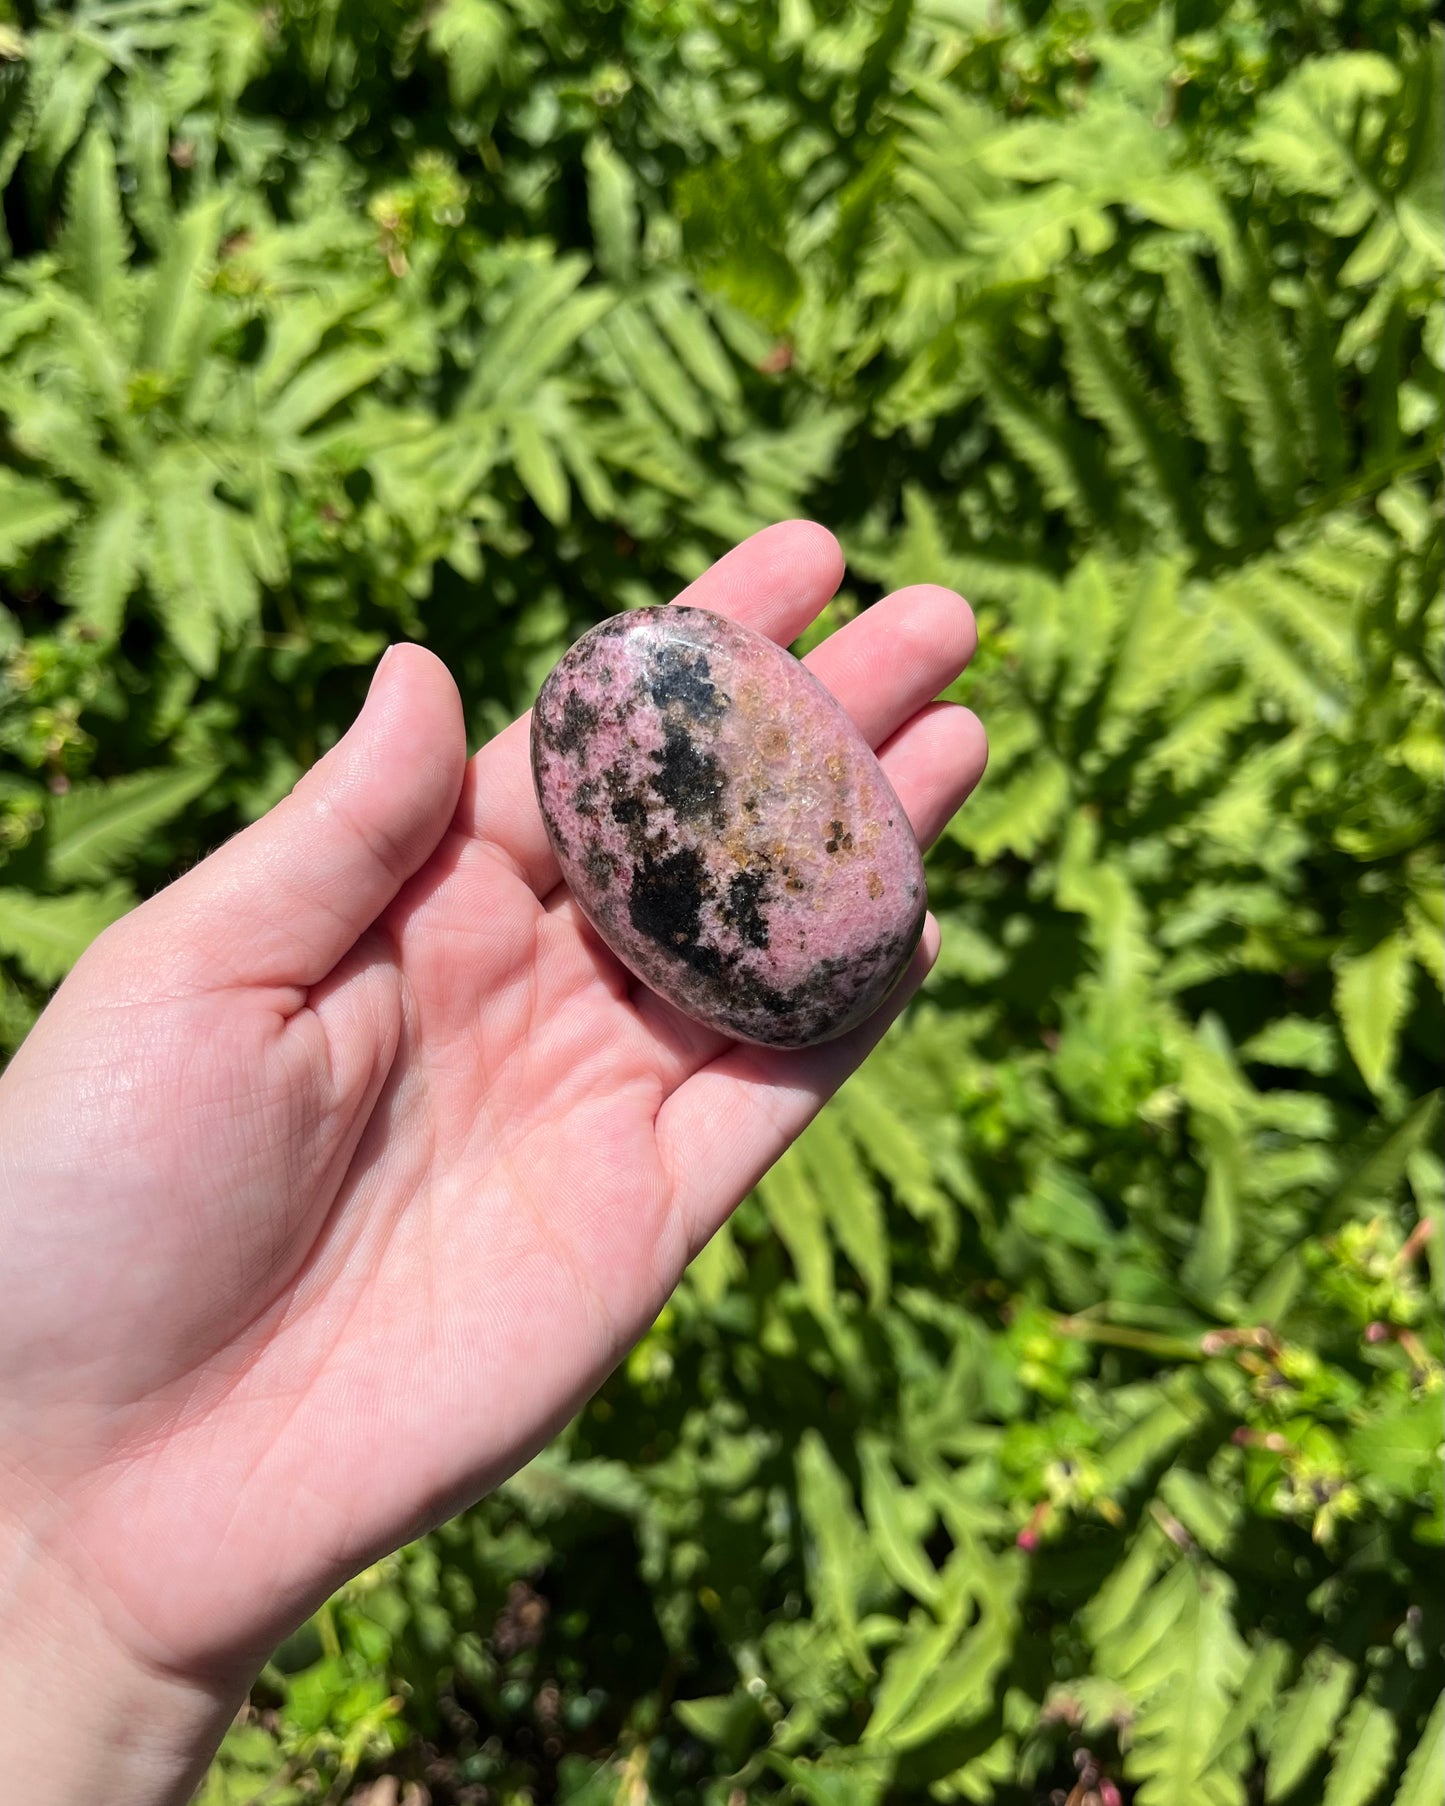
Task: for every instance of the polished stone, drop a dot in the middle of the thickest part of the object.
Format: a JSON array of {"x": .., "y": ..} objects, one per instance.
[{"x": 725, "y": 827}]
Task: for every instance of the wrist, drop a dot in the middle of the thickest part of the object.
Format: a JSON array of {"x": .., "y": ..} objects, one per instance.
[{"x": 82, "y": 1716}]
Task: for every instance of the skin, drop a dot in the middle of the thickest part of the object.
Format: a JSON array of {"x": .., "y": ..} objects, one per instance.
[{"x": 340, "y": 1173}]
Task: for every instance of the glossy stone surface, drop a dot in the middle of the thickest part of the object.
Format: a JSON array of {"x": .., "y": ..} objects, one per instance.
[{"x": 725, "y": 827}]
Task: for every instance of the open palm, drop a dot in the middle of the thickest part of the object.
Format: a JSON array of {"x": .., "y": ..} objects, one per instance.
[{"x": 338, "y": 1174}]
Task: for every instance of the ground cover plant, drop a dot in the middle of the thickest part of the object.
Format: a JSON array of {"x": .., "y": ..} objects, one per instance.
[{"x": 1062, "y": 1418}]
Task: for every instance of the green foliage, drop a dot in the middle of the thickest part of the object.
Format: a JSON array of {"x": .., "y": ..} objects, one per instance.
[{"x": 1066, "y": 1408}]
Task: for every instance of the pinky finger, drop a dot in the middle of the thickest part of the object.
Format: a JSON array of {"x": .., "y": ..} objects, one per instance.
[{"x": 721, "y": 1130}]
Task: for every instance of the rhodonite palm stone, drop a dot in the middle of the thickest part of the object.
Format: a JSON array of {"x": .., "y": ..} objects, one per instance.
[{"x": 725, "y": 827}]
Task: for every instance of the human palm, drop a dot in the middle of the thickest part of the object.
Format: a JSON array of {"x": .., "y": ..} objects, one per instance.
[{"x": 339, "y": 1173}]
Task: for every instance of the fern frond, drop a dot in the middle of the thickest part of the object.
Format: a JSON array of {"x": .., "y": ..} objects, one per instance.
[
  {"x": 94, "y": 828},
  {"x": 46, "y": 935},
  {"x": 1261, "y": 378},
  {"x": 1420, "y": 1783},
  {"x": 612, "y": 209},
  {"x": 95, "y": 244},
  {"x": 104, "y": 563},
  {"x": 1041, "y": 437},
  {"x": 1112, "y": 391},
  {"x": 1362, "y": 1754},
  {"x": 178, "y": 296},
  {"x": 30, "y": 512},
  {"x": 1306, "y": 1721},
  {"x": 1199, "y": 361}
]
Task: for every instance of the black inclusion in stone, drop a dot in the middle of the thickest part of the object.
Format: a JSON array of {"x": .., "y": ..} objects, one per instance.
[
  {"x": 742, "y": 909},
  {"x": 681, "y": 676},
  {"x": 601, "y": 867},
  {"x": 570, "y": 732},
  {"x": 666, "y": 905},
  {"x": 691, "y": 781}
]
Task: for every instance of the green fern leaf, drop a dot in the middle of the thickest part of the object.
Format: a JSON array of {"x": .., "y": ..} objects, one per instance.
[
  {"x": 612, "y": 209},
  {"x": 644, "y": 360},
  {"x": 1137, "y": 1652},
  {"x": 1209, "y": 1513},
  {"x": 1306, "y": 130},
  {"x": 178, "y": 292},
  {"x": 474, "y": 39},
  {"x": 1117, "y": 1600},
  {"x": 105, "y": 561},
  {"x": 1201, "y": 740},
  {"x": 1040, "y": 437},
  {"x": 198, "y": 565},
  {"x": 95, "y": 245},
  {"x": 910, "y": 1667},
  {"x": 1199, "y": 361},
  {"x": 1017, "y": 816},
  {"x": 30, "y": 511},
  {"x": 1167, "y": 645},
  {"x": 895, "y": 1149},
  {"x": 542, "y": 318},
  {"x": 1112, "y": 391},
  {"x": 1262, "y": 380},
  {"x": 1362, "y": 1754},
  {"x": 1314, "y": 696},
  {"x": 1156, "y": 1433},
  {"x": 1258, "y": 1688},
  {"x": 64, "y": 106},
  {"x": 839, "y": 1547},
  {"x": 693, "y": 337},
  {"x": 796, "y": 1214},
  {"x": 321, "y": 385},
  {"x": 1173, "y": 1735},
  {"x": 1320, "y": 388},
  {"x": 46, "y": 935},
  {"x": 850, "y": 1199},
  {"x": 1306, "y": 1721},
  {"x": 587, "y": 472},
  {"x": 962, "y": 1687},
  {"x": 550, "y": 1486},
  {"x": 1294, "y": 1041},
  {"x": 93, "y": 828},
  {"x": 1420, "y": 1783},
  {"x": 897, "y": 1521},
  {"x": 1372, "y": 996},
  {"x": 1211, "y": 1258},
  {"x": 17, "y": 1014},
  {"x": 1420, "y": 199},
  {"x": 542, "y": 472}
]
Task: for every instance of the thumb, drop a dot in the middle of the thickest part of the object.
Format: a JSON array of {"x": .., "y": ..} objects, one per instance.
[{"x": 281, "y": 902}]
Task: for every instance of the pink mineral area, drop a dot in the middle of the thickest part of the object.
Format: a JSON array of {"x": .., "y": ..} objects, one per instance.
[{"x": 725, "y": 827}]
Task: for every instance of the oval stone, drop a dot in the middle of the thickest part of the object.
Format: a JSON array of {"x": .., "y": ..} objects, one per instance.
[{"x": 725, "y": 827}]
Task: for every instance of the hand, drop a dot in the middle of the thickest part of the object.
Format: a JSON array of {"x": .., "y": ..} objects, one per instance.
[{"x": 340, "y": 1173}]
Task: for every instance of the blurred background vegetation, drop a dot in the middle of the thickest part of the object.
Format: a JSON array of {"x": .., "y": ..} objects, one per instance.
[{"x": 1062, "y": 1419}]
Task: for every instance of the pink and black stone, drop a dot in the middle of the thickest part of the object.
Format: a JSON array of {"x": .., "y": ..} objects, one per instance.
[{"x": 725, "y": 827}]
